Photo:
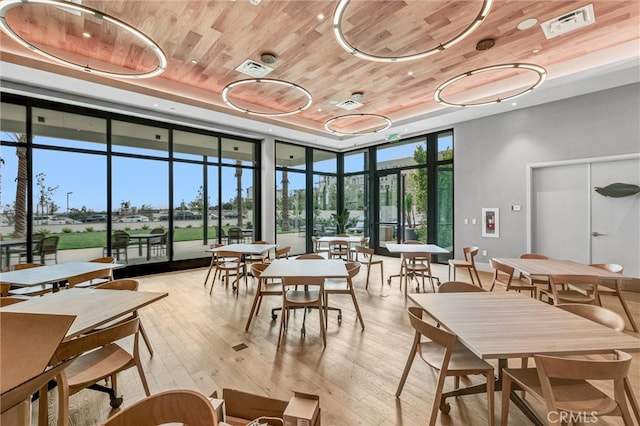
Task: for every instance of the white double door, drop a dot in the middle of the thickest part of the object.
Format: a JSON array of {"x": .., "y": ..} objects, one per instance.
[{"x": 570, "y": 220}]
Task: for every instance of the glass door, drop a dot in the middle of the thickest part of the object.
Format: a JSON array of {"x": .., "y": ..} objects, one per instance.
[{"x": 388, "y": 211}]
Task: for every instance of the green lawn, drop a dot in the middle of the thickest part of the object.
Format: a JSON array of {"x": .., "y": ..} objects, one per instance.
[{"x": 90, "y": 239}]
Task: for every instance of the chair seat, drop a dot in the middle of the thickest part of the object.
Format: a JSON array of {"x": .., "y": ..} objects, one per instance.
[
  {"x": 460, "y": 263},
  {"x": 302, "y": 296},
  {"x": 565, "y": 391},
  {"x": 462, "y": 359},
  {"x": 571, "y": 296},
  {"x": 96, "y": 365}
]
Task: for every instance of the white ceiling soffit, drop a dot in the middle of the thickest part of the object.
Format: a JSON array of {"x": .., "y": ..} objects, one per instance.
[{"x": 623, "y": 68}]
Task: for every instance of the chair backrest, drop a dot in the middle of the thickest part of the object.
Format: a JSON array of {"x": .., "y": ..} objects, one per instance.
[
  {"x": 438, "y": 335},
  {"x": 121, "y": 284},
  {"x": 6, "y": 301},
  {"x": 87, "y": 342},
  {"x": 470, "y": 253},
  {"x": 503, "y": 274},
  {"x": 20, "y": 266},
  {"x": 595, "y": 313},
  {"x": 352, "y": 268},
  {"x": 611, "y": 267},
  {"x": 412, "y": 242},
  {"x": 157, "y": 231},
  {"x": 257, "y": 268},
  {"x": 174, "y": 406},
  {"x": 338, "y": 245},
  {"x": 88, "y": 276},
  {"x": 458, "y": 287},
  {"x": 49, "y": 244},
  {"x": 230, "y": 256},
  {"x": 105, "y": 259},
  {"x": 305, "y": 281},
  {"x": 283, "y": 253},
  {"x": 309, "y": 256},
  {"x": 582, "y": 368},
  {"x": 365, "y": 251},
  {"x": 533, "y": 256},
  {"x": 120, "y": 239},
  {"x": 235, "y": 233}
]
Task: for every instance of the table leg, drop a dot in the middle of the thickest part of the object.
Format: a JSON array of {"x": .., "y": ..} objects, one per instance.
[{"x": 148, "y": 249}]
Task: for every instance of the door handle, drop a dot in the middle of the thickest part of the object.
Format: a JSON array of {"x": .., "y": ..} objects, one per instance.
[{"x": 596, "y": 234}]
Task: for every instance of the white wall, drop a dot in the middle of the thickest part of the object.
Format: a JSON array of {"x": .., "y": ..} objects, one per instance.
[{"x": 491, "y": 155}]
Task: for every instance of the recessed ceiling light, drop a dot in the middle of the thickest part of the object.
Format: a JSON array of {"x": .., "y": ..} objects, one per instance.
[
  {"x": 320, "y": 16},
  {"x": 527, "y": 23},
  {"x": 514, "y": 103},
  {"x": 333, "y": 102},
  {"x": 319, "y": 109},
  {"x": 410, "y": 73},
  {"x": 155, "y": 105},
  {"x": 536, "y": 50},
  {"x": 86, "y": 34},
  {"x": 193, "y": 61},
  {"x": 271, "y": 130}
]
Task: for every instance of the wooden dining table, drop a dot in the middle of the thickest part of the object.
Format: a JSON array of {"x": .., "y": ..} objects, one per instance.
[
  {"x": 547, "y": 267},
  {"x": 91, "y": 307},
  {"x": 414, "y": 248},
  {"x": 504, "y": 325},
  {"x": 54, "y": 274}
]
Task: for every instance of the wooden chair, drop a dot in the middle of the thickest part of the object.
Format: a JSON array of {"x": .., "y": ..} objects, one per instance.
[
  {"x": 468, "y": 263},
  {"x": 108, "y": 273},
  {"x": 175, "y": 406},
  {"x": 353, "y": 253},
  {"x": 214, "y": 263},
  {"x": 614, "y": 290},
  {"x": 265, "y": 288},
  {"x": 10, "y": 300},
  {"x": 458, "y": 287},
  {"x": 560, "y": 293},
  {"x": 368, "y": 260},
  {"x": 317, "y": 246},
  {"x": 90, "y": 279},
  {"x": 310, "y": 297},
  {"x": 128, "y": 284},
  {"x": 339, "y": 249},
  {"x": 257, "y": 258},
  {"x": 443, "y": 352},
  {"x": 228, "y": 262},
  {"x": 100, "y": 357},
  {"x": 282, "y": 253},
  {"x": 503, "y": 276},
  {"x": 342, "y": 286},
  {"x": 417, "y": 264},
  {"x": 609, "y": 319},
  {"x": 535, "y": 279},
  {"x": 309, "y": 256},
  {"x": 563, "y": 386}
]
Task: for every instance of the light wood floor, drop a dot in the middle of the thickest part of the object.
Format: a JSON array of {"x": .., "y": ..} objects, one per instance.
[{"x": 356, "y": 375}]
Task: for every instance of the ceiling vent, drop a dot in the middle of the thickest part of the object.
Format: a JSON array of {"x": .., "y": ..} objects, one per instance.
[
  {"x": 349, "y": 104},
  {"x": 254, "y": 69},
  {"x": 569, "y": 22}
]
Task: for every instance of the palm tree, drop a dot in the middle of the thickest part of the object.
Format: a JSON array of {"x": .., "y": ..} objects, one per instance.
[
  {"x": 20, "y": 218},
  {"x": 238, "y": 176},
  {"x": 285, "y": 200}
]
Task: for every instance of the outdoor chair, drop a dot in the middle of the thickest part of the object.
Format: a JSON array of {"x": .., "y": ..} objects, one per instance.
[
  {"x": 119, "y": 242},
  {"x": 45, "y": 247},
  {"x": 234, "y": 235}
]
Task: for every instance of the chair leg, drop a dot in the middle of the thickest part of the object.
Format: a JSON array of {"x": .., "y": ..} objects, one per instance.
[
  {"x": 490, "y": 396},
  {"x": 407, "y": 366},
  {"x": 43, "y": 405},
  {"x": 366, "y": 287},
  {"x": 146, "y": 339},
  {"x": 632, "y": 399},
  {"x": 323, "y": 330},
  {"x": 355, "y": 303},
  {"x": 282, "y": 324},
  {"x": 208, "y": 273},
  {"x": 253, "y": 307}
]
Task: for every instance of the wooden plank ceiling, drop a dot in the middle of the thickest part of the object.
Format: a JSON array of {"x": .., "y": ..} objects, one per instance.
[{"x": 205, "y": 41}]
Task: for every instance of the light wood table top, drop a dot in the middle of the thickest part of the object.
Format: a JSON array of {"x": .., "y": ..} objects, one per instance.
[
  {"x": 91, "y": 307},
  {"x": 53, "y": 273},
  {"x": 499, "y": 325},
  {"x": 555, "y": 266},
  {"x": 415, "y": 248},
  {"x": 279, "y": 268},
  {"x": 244, "y": 248},
  {"x": 27, "y": 343}
]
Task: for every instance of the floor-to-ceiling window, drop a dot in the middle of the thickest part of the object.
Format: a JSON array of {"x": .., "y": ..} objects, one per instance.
[
  {"x": 290, "y": 205},
  {"x": 86, "y": 174}
]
